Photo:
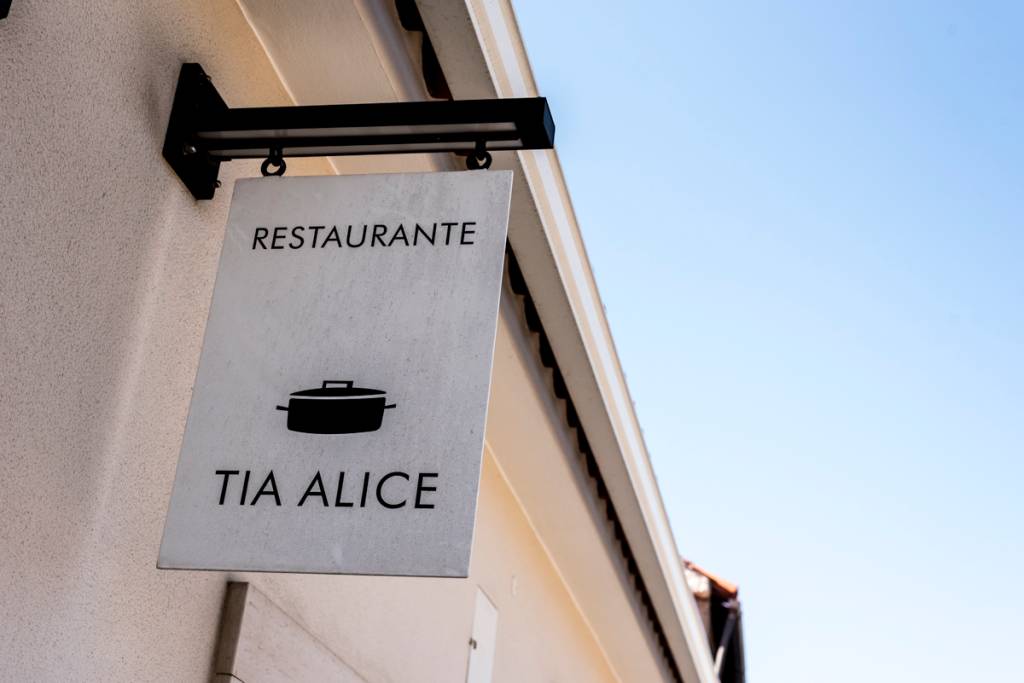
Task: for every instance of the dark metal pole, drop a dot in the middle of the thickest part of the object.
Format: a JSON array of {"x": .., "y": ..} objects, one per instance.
[{"x": 730, "y": 626}]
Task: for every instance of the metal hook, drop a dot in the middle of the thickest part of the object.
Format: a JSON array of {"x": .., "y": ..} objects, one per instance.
[
  {"x": 275, "y": 158},
  {"x": 480, "y": 157}
]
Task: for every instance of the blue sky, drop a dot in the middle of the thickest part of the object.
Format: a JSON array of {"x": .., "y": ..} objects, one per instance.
[{"x": 807, "y": 224}]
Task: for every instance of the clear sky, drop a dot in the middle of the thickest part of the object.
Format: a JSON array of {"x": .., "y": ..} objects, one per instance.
[{"x": 807, "y": 224}]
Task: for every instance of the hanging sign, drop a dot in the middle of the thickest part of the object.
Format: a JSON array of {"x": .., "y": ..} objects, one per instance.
[{"x": 337, "y": 419}]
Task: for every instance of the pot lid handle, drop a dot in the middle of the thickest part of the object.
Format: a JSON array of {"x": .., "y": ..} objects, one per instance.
[{"x": 347, "y": 383}]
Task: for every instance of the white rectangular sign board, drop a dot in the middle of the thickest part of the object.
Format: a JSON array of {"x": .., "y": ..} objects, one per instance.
[{"x": 337, "y": 418}]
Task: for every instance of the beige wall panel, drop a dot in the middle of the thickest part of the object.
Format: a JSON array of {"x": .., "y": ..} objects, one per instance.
[
  {"x": 541, "y": 634},
  {"x": 260, "y": 643},
  {"x": 389, "y": 629},
  {"x": 537, "y": 452}
]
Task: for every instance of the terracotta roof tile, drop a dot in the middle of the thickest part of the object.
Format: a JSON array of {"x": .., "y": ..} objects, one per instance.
[{"x": 727, "y": 587}]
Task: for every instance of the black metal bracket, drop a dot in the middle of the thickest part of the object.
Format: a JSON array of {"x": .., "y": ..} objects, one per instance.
[
  {"x": 203, "y": 131},
  {"x": 5, "y": 7}
]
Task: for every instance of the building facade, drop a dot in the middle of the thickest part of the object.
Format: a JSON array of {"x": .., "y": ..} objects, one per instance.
[{"x": 106, "y": 275}]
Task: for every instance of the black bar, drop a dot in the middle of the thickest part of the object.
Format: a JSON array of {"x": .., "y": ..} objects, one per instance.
[
  {"x": 530, "y": 116},
  {"x": 203, "y": 131}
]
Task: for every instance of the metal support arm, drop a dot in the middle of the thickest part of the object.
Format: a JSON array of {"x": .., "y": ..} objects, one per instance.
[{"x": 203, "y": 131}]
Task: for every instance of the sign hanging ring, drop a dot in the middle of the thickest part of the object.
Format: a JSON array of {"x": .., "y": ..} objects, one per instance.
[
  {"x": 276, "y": 159},
  {"x": 479, "y": 158}
]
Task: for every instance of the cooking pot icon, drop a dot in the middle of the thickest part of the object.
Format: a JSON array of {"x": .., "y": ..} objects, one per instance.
[{"x": 337, "y": 407}]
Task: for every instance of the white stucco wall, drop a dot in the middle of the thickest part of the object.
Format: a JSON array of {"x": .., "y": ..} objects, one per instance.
[
  {"x": 106, "y": 272},
  {"x": 106, "y": 268}
]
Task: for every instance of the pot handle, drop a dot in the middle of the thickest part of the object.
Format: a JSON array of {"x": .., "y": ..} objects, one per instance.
[
  {"x": 285, "y": 408},
  {"x": 347, "y": 383},
  {"x": 390, "y": 405}
]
